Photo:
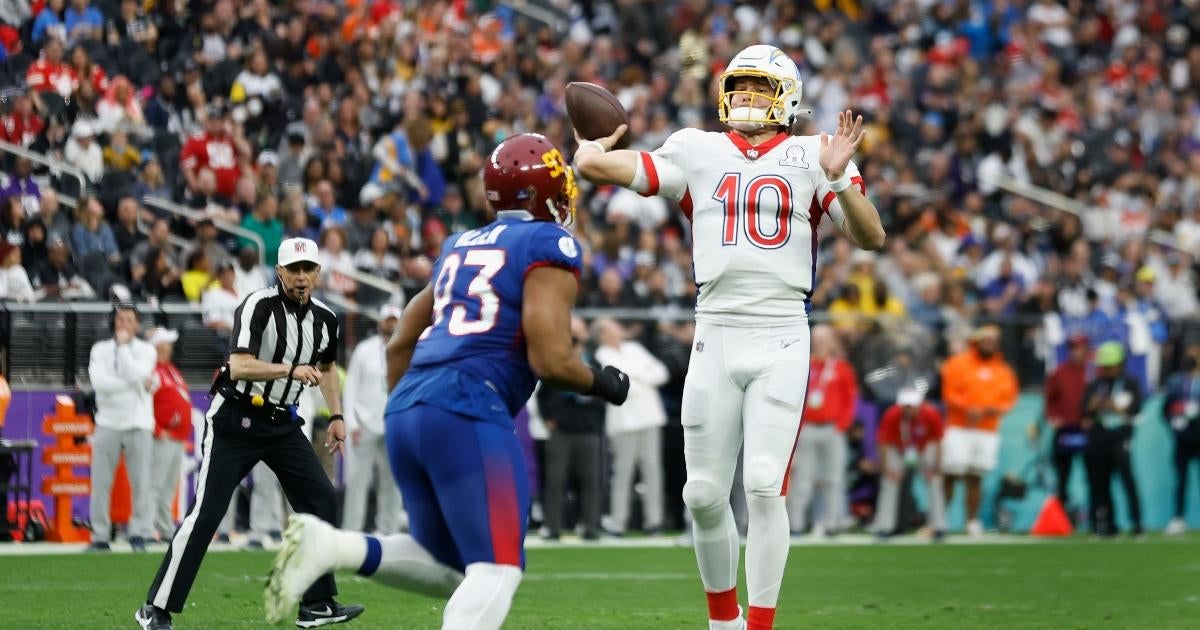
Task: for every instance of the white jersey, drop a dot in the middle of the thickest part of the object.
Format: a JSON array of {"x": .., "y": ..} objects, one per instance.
[{"x": 755, "y": 213}]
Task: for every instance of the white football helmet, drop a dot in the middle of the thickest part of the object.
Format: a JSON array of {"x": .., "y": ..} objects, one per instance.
[{"x": 761, "y": 60}]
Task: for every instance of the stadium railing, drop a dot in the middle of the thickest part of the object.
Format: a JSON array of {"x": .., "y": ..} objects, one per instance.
[{"x": 57, "y": 169}]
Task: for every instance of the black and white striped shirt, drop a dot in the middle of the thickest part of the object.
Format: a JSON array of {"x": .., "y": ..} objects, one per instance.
[{"x": 277, "y": 330}]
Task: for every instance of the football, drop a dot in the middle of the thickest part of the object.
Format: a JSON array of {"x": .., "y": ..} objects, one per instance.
[{"x": 595, "y": 112}]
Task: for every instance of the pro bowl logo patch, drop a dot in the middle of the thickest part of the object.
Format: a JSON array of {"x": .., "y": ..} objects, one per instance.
[{"x": 567, "y": 246}]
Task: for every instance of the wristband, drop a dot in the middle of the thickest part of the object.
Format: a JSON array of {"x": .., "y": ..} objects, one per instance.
[
  {"x": 839, "y": 185},
  {"x": 591, "y": 143},
  {"x": 337, "y": 416}
]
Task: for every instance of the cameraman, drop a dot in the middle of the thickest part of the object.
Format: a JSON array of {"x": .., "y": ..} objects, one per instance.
[{"x": 1111, "y": 403}]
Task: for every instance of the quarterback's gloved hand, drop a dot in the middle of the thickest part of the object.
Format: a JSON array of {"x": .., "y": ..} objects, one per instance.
[{"x": 610, "y": 384}]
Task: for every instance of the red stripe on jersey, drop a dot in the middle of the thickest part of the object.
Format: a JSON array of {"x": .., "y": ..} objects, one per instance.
[
  {"x": 759, "y": 149},
  {"x": 686, "y": 203},
  {"x": 829, "y": 197},
  {"x": 547, "y": 263},
  {"x": 651, "y": 174},
  {"x": 723, "y": 606},
  {"x": 862, "y": 186}
]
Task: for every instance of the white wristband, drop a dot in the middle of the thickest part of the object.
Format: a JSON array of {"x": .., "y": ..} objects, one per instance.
[
  {"x": 839, "y": 185},
  {"x": 591, "y": 143}
]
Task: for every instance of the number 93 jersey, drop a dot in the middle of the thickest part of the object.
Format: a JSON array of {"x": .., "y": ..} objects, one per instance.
[
  {"x": 478, "y": 290},
  {"x": 755, "y": 213}
]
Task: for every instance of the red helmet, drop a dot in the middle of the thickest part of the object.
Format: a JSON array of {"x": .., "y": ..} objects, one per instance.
[{"x": 527, "y": 172}]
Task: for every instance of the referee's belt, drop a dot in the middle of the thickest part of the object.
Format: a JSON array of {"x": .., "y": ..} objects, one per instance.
[{"x": 268, "y": 410}]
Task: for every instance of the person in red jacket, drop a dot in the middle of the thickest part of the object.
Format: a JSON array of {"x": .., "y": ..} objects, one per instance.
[
  {"x": 1064, "y": 411},
  {"x": 215, "y": 149},
  {"x": 50, "y": 74},
  {"x": 821, "y": 449},
  {"x": 22, "y": 125},
  {"x": 910, "y": 435},
  {"x": 172, "y": 429}
]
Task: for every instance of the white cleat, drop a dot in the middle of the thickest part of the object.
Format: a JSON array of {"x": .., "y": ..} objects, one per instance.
[
  {"x": 307, "y": 554},
  {"x": 1176, "y": 527},
  {"x": 975, "y": 529}
]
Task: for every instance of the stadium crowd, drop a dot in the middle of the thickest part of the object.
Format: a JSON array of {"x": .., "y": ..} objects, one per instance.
[{"x": 363, "y": 124}]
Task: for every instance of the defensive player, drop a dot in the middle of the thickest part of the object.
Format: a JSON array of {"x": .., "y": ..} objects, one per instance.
[
  {"x": 466, "y": 355},
  {"x": 755, "y": 196}
]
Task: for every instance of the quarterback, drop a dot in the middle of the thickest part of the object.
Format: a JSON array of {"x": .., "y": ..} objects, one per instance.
[{"x": 755, "y": 196}]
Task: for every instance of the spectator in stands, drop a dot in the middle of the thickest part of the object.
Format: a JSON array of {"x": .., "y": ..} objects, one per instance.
[
  {"x": 119, "y": 155},
  {"x": 217, "y": 149},
  {"x": 207, "y": 239},
  {"x": 119, "y": 108},
  {"x": 48, "y": 25},
  {"x": 172, "y": 432},
  {"x": 83, "y": 152},
  {"x": 22, "y": 186},
  {"x": 33, "y": 249},
  {"x": 151, "y": 181},
  {"x": 910, "y": 436},
  {"x": 265, "y": 222},
  {"x": 11, "y": 220},
  {"x": 198, "y": 275},
  {"x": 1181, "y": 410},
  {"x": 131, "y": 24},
  {"x": 821, "y": 448},
  {"x": 92, "y": 234},
  {"x": 364, "y": 218},
  {"x": 365, "y": 395},
  {"x": 83, "y": 21},
  {"x": 978, "y": 388},
  {"x": 248, "y": 276},
  {"x": 324, "y": 209},
  {"x": 90, "y": 74},
  {"x": 575, "y": 447},
  {"x": 58, "y": 225},
  {"x": 1112, "y": 402},
  {"x": 14, "y": 280},
  {"x": 160, "y": 239},
  {"x": 295, "y": 221},
  {"x": 1064, "y": 411},
  {"x": 378, "y": 260},
  {"x": 126, "y": 233},
  {"x": 122, "y": 372},
  {"x": 220, "y": 301},
  {"x": 50, "y": 79},
  {"x": 161, "y": 279},
  {"x": 634, "y": 430},
  {"x": 22, "y": 125},
  {"x": 267, "y": 182},
  {"x": 336, "y": 264}
]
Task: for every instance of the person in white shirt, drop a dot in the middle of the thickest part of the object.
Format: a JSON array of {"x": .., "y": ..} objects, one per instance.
[
  {"x": 122, "y": 373},
  {"x": 83, "y": 152},
  {"x": 248, "y": 275},
  {"x": 220, "y": 302},
  {"x": 635, "y": 428},
  {"x": 14, "y": 280},
  {"x": 363, "y": 399}
]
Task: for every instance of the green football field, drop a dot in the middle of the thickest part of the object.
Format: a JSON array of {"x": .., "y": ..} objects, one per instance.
[{"x": 1076, "y": 583}]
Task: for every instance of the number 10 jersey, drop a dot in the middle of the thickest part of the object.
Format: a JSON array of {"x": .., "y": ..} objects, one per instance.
[{"x": 755, "y": 213}]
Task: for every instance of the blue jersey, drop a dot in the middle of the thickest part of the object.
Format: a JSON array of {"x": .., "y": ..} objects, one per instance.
[{"x": 472, "y": 360}]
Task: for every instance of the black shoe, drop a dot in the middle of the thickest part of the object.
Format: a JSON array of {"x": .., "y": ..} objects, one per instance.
[
  {"x": 138, "y": 544},
  {"x": 99, "y": 545},
  {"x": 223, "y": 538},
  {"x": 276, "y": 535},
  {"x": 590, "y": 536},
  {"x": 327, "y": 612},
  {"x": 254, "y": 544},
  {"x": 153, "y": 618}
]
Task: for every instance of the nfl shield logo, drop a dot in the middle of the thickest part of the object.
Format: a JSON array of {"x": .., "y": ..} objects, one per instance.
[
  {"x": 752, "y": 154},
  {"x": 301, "y": 247},
  {"x": 245, "y": 423}
]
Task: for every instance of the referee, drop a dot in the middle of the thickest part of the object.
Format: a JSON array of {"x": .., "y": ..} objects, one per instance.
[{"x": 282, "y": 341}]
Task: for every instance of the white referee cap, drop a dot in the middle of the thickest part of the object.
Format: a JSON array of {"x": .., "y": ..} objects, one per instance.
[
  {"x": 388, "y": 311},
  {"x": 164, "y": 335},
  {"x": 910, "y": 397},
  {"x": 294, "y": 250}
]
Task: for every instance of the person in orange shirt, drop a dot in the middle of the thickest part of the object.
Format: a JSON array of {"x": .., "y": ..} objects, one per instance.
[
  {"x": 978, "y": 388},
  {"x": 821, "y": 449}
]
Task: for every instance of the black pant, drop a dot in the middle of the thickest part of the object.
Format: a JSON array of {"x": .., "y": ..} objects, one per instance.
[
  {"x": 1187, "y": 448},
  {"x": 1068, "y": 443},
  {"x": 234, "y": 441},
  {"x": 579, "y": 453},
  {"x": 1107, "y": 453}
]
